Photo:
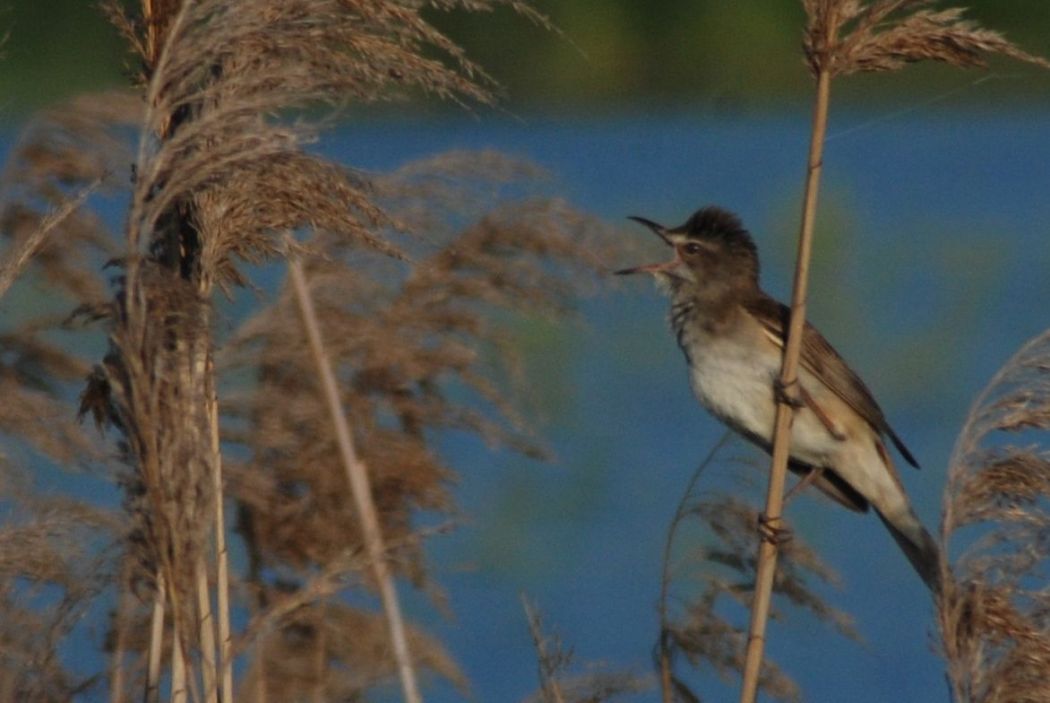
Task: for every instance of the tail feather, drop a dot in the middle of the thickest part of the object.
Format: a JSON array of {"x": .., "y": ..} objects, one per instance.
[{"x": 917, "y": 544}]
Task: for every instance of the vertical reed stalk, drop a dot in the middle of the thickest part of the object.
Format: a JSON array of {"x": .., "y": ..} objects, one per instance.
[
  {"x": 222, "y": 577},
  {"x": 206, "y": 625},
  {"x": 156, "y": 640},
  {"x": 178, "y": 663},
  {"x": 680, "y": 514},
  {"x": 767, "y": 550},
  {"x": 120, "y": 624},
  {"x": 876, "y": 36},
  {"x": 360, "y": 488}
]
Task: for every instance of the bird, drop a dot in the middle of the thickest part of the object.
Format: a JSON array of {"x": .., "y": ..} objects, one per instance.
[{"x": 732, "y": 334}]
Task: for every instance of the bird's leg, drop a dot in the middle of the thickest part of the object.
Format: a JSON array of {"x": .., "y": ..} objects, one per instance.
[
  {"x": 770, "y": 528},
  {"x": 807, "y": 401},
  {"x": 788, "y": 393},
  {"x": 811, "y": 476},
  {"x": 772, "y": 531},
  {"x": 795, "y": 395}
]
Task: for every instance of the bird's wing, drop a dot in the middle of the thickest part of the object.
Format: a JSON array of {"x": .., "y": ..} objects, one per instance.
[{"x": 821, "y": 360}]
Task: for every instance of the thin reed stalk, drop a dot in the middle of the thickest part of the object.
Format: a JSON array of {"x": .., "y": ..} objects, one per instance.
[
  {"x": 844, "y": 37},
  {"x": 120, "y": 625},
  {"x": 767, "y": 550},
  {"x": 116, "y": 674},
  {"x": 681, "y": 512},
  {"x": 178, "y": 666},
  {"x": 206, "y": 626},
  {"x": 222, "y": 575},
  {"x": 360, "y": 487},
  {"x": 156, "y": 640}
]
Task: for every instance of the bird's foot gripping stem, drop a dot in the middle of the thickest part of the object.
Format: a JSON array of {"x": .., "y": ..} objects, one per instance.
[
  {"x": 773, "y": 530},
  {"x": 788, "y": 393}
]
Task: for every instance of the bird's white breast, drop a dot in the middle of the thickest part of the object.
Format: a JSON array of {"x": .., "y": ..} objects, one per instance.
[
  {"x": 735, "y": 383},
  {"x": 733, "y": 377}
]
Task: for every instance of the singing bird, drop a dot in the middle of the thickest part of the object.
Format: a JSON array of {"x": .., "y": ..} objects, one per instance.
[{"x": 732, "y": 334}]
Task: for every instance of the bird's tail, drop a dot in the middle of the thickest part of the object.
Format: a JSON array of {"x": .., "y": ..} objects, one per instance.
[{"x": 916, "y": 543}]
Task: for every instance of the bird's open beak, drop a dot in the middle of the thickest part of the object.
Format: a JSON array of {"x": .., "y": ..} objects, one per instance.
[{"x": 661, "y": 232}]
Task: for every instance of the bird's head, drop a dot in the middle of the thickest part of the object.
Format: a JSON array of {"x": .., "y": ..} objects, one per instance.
[{"x": 712, "y": 251}]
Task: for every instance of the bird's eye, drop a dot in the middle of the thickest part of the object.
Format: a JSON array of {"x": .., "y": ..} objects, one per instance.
[{"x": 692, "y": 248}]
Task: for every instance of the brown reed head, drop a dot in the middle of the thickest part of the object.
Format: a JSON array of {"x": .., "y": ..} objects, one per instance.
[
  {"x": 993, "y": 617},
  {"x": 853, "y": 36}
]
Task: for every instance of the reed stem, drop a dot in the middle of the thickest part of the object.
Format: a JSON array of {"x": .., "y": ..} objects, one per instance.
[
  {"x": 206, "y": 627},
  {"x": 360, "y": 488},
  {"x": 767, "y": 550},
  {"x": 222, "y": 577},
  {"x": 156, "y": 640},
  {"x": 178, "y": 664}
]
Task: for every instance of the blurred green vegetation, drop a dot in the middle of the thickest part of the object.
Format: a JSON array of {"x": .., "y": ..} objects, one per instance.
[
  {"x": 55, "y": 49},
  {"x": 636, "y": 54}
]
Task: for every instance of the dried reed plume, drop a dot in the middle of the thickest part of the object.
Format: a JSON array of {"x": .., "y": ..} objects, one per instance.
[
  {"x": 54, "y": 563},
  {"x": 558, "y": 685},
  {"x": 54, "y": 241},
  {"x": 220, "y": 176},
  {"x": 68, "y": 153},
  {"x": 51, "y": 566},
  {"x": 993, "y": 616},
  {"x": 399, "y": 336},
  {"x": 44, "y": 543},
  {"x": 721, "y": 570},
  {"x": 325, "y": 650},
  {"x": 854, "y": 36},
  {"x": 844, "y": 37}
]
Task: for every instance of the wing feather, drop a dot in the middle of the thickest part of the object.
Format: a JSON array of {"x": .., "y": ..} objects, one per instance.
[{"x": 820, "y": 359}]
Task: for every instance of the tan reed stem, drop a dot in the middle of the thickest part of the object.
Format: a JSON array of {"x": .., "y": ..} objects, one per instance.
[
  {"x": 156, "y": 640},
  {"x": 120, "y": 624},
  {"x": 360, "y": 488},
  {"x": 767, "y": 550},
  {"x": 206, "y": 625},
  {"x": 178, "y": 665},
  {"x": 222, "y": 574}
]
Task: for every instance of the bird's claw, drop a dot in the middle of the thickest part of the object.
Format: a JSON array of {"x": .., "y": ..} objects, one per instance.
[
  {"x": 788, "y": 393},
  {"x": 772, "y": 531}
]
